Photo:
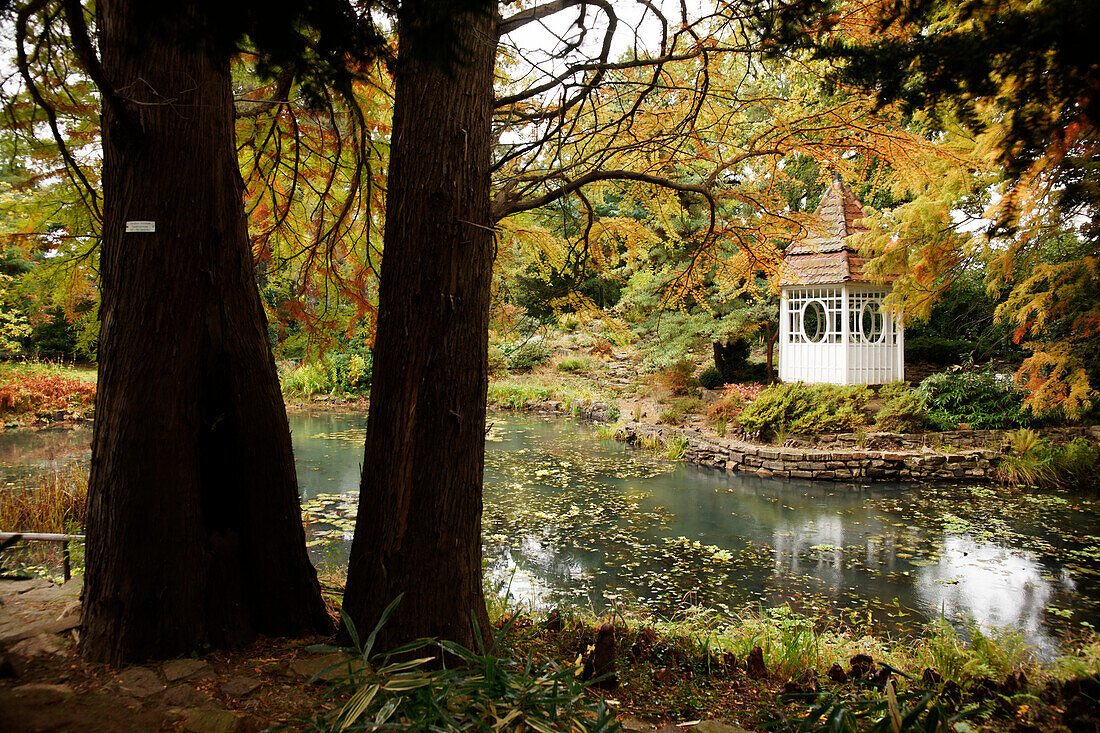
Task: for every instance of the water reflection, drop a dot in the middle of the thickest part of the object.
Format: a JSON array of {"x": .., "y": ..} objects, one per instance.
[
  {"x": 994, "y": 585},
  {"x": 25, "y": 454}
]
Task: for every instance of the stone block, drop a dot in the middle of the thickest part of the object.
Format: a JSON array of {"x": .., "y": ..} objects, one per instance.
[
  {"x": 212, "y": 721},
  {"x": 139, "y": 682},
  {"x": 182, "y": 669},
  {"x": 240, "y": 686}
]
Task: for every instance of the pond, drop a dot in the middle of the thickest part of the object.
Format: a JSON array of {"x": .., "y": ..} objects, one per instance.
[{"x": 571, "y": 519}]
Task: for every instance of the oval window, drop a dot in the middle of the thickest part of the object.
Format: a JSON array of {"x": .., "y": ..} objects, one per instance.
[
  {"x": 872, "y": 321},
  {"x": 814, "y": 321}
]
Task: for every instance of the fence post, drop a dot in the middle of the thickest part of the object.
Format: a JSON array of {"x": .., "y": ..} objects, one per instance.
[{"x": 65, "y": 560}]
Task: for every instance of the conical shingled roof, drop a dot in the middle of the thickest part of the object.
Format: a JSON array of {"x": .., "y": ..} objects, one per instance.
[{"x": 824, "y": 256}]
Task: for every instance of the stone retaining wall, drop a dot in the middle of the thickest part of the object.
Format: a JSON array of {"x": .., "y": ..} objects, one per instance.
[
  {"x": 837, "y": 463},
  {"x": 962, "y": 439},
  {"x": 832, "y": 457}
]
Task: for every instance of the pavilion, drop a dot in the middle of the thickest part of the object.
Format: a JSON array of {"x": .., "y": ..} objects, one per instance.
[{"x": 833, "y": 327}]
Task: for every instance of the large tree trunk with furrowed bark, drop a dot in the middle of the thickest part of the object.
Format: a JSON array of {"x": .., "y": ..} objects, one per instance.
[
  {"x": 418, "y": 532},
  {"x": 194, "y": 525}
]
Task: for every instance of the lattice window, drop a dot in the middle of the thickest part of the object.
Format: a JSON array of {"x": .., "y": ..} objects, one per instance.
[
  {"x": 868, "y": 321},
  {"x": 814, "y": 315}
]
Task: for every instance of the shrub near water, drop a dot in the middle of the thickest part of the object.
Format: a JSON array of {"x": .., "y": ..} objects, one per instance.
[
  {"x": 343, "y": 373},
  {"x": 1034, "y": 461},
  {"x": 980, "y": 399},
  {"x": 805, "y": 409},
  {"x": 902, "y": 413}
]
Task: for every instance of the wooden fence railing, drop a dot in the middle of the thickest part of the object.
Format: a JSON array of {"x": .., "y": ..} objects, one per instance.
[{"x": 7, "y": 539}]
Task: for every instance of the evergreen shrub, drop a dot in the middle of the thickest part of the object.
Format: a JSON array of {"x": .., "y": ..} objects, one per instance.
[
  {"x": 893, "y": 389},
  {"x": 711, "y": 378},
  {"x": 526, "y": 356},
  {"x": 938, "y": 349},
  {"x": 805, "y": 409},
  {"x": 498, "y": 360},
  {"x": 732, "y": 362},
  {"x": 902, "y": 413},
  {"x": 981, "y": 399}
]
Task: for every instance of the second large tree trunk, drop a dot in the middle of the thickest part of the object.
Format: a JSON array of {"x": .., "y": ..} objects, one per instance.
[
  {"x": 194, "y": 526},
  {"x": 418, "y": 532}
]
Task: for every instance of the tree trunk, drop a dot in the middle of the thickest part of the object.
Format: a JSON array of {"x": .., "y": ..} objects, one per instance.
[
  {"x": 418, "y": 531},
  {"x": 194, "y": 525},
  {"x": 771, "y": 335},
  {"x": 720, "y": 358}
]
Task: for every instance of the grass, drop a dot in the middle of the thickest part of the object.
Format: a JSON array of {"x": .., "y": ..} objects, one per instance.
[
  {"x": 692, "y": 667},
  {"x": 576, "y": 365},
  {"x": 611, "y": 431},
  {"x": 305, "y": 380},
  {"x": 516, "y": 394},
  {"x": 1034, "y": 461},
  {"x": 10, "y": 370},
  {"x": 57, "y": 504},
  {"x": 676, "y": 447},
  {"x": 688, "y": 405}
]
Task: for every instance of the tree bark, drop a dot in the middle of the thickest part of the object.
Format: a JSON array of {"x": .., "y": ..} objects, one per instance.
[
  {"x": 771, "y": 335},
  {"x": 194, "y": 525},
  {"x": 418, "y": 531}
]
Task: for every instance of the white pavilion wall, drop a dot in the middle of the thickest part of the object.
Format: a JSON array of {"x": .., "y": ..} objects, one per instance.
[{"x": 839, "y": 334}]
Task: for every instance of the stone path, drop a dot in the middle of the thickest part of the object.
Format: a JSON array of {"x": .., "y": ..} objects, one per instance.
[{"x": 45, "y": 687}]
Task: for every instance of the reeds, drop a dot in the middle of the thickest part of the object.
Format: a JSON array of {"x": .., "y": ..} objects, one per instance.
[{"x": 56, "y": 504}]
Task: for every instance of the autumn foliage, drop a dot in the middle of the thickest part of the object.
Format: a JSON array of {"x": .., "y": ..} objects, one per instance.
[{"x": 43, "y": 393}]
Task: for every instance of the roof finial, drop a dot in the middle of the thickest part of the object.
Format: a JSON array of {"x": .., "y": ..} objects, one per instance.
[{"x": 837, "y": 177}]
